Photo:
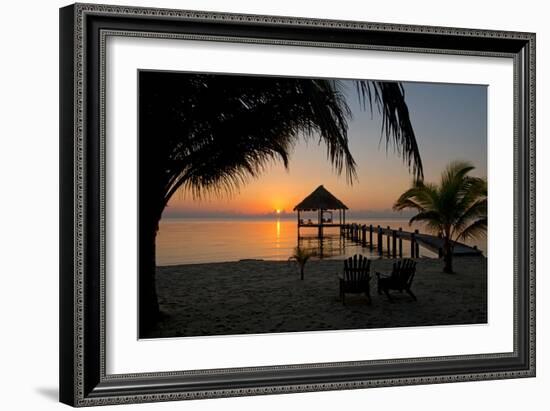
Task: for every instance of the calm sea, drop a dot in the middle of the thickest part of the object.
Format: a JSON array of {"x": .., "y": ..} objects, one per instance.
[{"x": 189, "y": 241}]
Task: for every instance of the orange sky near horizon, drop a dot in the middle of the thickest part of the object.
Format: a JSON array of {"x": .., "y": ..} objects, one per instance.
[{"x": 281, "y": 189}]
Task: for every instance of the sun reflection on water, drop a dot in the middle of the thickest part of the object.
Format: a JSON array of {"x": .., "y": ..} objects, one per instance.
[{"x": 278, "y": 235}]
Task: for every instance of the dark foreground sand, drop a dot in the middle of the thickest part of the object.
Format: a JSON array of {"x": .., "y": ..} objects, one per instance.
[{"x": 267, "y": 296}]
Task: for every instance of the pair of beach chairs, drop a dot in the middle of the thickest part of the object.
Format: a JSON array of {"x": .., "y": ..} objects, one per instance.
[{"x": 355, "y": 278}]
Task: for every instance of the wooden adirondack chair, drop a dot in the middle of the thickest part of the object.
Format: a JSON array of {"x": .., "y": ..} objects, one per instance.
[
  {"x": 400, "y": 279},
  {"x": 356, "y": 277}
]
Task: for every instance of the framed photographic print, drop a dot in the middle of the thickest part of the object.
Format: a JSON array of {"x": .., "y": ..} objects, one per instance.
[{"x": 261, "y": 204}]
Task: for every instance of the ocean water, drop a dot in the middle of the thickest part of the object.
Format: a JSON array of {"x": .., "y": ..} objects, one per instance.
[{"x": 190, "y": 241}]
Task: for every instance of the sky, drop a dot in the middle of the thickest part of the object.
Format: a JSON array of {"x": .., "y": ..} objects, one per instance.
[{"x": 450, "y": 123}]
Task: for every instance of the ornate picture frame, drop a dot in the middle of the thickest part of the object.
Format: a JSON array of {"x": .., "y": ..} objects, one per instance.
[{"x": 84, "y": 380}]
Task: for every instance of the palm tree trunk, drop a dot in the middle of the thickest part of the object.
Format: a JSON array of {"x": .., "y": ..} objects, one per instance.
[
  {"x": 448, "y": 256},
  {"x": 148, "y": 302},
  {"x": 151, "y": 202}
]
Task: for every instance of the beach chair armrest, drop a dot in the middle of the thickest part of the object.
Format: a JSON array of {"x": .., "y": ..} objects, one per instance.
[{"x": 380, "y": 275}]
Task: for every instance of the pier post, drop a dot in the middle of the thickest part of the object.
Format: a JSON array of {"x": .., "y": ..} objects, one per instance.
[
  {"x": 364, "y": 235},
  {"x": 388, "y": 234},
  {"x": 370, "y": 236},
  {"x": 379, "y": 240},
  {"x": 320, "y": 223},
  {"x": 394, "y": 244},
  {"x": 298, "y": 228},
  {"x": 413, "y": 240},
  {"x": 417, "y": 246},
  {"x": 400, "y": 242}
]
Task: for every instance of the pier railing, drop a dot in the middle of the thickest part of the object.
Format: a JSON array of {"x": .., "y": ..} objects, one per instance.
[{"x": 365, "y": 234}]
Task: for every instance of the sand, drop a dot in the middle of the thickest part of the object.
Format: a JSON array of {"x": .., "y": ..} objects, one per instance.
[{"x": 250, "y": 297}]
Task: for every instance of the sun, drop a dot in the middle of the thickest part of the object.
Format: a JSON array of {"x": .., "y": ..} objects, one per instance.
[{"x": 278, "y": 211}]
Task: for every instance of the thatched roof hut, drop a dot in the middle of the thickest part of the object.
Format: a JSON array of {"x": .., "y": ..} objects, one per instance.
[{"x": 320, "y": 199}]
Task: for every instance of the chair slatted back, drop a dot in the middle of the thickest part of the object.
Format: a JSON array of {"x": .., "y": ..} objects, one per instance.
[
  {"x": 403, "y": 272},
  {"x": 356, "y": 270}
]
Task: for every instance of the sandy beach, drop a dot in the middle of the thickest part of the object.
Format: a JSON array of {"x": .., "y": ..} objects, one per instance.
[{"x": 249, "y": 297}]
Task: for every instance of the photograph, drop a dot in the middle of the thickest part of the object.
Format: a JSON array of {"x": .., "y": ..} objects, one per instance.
[{"x": 271, "y": 204}]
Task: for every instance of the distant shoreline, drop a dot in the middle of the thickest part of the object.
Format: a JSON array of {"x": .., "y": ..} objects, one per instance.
[{"x": 288, "y": 216}]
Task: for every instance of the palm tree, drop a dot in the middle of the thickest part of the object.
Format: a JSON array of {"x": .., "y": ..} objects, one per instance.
[
  {"x": 456, "y": 209},
  {"x": 209, "y": 134},
  {"x": 301, "y": 256}
]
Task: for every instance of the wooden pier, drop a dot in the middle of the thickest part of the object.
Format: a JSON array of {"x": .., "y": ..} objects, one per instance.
[
  {"x": 387, "y": 241},
  {"x": 365, "y": 235}
]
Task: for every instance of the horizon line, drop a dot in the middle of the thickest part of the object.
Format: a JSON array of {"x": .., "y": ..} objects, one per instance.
[{"x": 285, "y": 215}]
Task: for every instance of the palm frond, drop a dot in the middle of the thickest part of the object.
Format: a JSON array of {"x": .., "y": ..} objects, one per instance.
[
  {"x": 455, "y": 172},
  {"x": 397, "y": 129},
  {"x": 420, "y": 196},
  {"x": 476, "y": 229},
  {"x": 476, "y": 210},
  {"x": 457, "y": 207},
  {"x": 300, "y": 255},
  {"x": 431, "y": 217}
]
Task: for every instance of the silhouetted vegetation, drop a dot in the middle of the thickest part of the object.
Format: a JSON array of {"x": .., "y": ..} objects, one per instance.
[
  {"x": 456, "y": 209},
  {"x": 301, "y": 256}
]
